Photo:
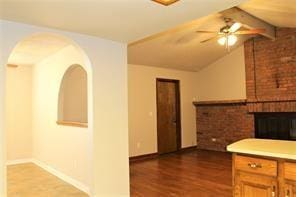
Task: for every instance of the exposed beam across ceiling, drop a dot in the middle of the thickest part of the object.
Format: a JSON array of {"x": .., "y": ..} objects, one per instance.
[
  {"x": 249, "y": 21},
  {"x": 12, "y": 65}
]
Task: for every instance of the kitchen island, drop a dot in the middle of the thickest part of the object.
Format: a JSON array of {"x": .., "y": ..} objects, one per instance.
[{"x": 263, "y": 168}]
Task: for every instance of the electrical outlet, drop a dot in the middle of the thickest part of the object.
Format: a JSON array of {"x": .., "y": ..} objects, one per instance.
[{"x": 138, "y": 145}]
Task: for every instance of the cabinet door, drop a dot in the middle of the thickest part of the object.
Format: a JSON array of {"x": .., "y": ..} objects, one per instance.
[
  {"x": 252, "y": 185},
  {"x": 289, "y": 190}
]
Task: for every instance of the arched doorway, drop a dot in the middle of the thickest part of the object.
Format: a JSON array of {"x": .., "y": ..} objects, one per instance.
[{"x": 63, "y": 150}]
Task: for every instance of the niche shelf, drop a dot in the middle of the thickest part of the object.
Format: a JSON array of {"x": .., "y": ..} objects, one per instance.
[{"x": 72, "y": 103}]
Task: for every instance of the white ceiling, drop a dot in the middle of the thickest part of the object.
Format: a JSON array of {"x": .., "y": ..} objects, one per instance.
[
  {"x": 180, "y": 48},
  {"x": 120, "y": 20},
  {"x": 280, "y": 13},
  {"x": 130, "y": 20},
  {"x": 35, "y": 48}
]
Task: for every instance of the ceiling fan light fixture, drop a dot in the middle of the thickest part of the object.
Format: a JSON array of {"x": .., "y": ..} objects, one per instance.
[
  {"x": 222, "y": 40},
  {"x": 231, "y": 40},
  {"x": 165, "y": 2},
  {"x": 235, "y": 27},
  {"x": 228, "y": 40}
]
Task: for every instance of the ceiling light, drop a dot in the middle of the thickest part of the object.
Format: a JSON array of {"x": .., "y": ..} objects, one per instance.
[
  {"x": 222, "y": 40},
  {"x": 165, "y": 2},
  {"x": 235, "y": 27},
  {"x": 227, "y": 40},
  {"x": 231, "y": 40}
]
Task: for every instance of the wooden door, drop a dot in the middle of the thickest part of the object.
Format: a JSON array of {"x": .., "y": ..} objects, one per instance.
[
  {"x": 252, "y": 185},
  {"x": 168, "y": 116}
]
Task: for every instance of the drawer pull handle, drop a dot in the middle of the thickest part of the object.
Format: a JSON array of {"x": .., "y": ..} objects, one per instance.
[
  {"x": 254, "y": 165},
  {"x": 273, "y": 191}
]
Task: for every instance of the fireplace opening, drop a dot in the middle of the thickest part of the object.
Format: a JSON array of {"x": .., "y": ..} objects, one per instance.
[{"x": 281, "y": 126}]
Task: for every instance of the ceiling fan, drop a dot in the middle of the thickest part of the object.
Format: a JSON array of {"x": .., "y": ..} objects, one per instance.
[{"x": 227, "y": 34}]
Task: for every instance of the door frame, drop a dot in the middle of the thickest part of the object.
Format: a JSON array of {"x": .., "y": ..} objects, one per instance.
[{"x": 178, "y": 111}]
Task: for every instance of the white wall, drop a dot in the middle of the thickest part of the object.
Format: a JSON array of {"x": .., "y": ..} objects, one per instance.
[
  {"x": 142, "y": 107},
  {"x": 109, "y": 102},
  {"x": 3, "y": 58},
  {"x": 73, "y": 96},
  {"x": 18, "y": 112},
  {"x": 223, "y": 79},
  {"x": 64, "y": 148}
]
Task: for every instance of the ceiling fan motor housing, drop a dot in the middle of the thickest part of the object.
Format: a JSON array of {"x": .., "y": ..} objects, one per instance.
[{"x": 225, "y": 29}]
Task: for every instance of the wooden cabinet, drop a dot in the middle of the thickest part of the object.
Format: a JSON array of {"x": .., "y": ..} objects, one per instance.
[
  {"x": 256, "y": 165},
  {"x": 263, "y": 177},
  {"x": 252, "y": 185},
  {"x": 289, "y": 175},
  {"x": 290, "y": 171},
  {"x": 289, "y": 190}
]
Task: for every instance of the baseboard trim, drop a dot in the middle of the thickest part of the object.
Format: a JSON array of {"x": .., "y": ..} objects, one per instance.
[
  {"x": 156, "y": 155},
  {"x": 189, "y": 148},
  {"x": 54, "y": 172},
  {"x": 62, "y": 176},
  {"x": 143, "y": 157},
  {"x": 18, "y": 161}
]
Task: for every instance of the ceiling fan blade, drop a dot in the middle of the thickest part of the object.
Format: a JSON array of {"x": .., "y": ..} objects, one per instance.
[
  {"x": 208, "y": 39},
  {"x": 252, "y": 31},
  {"x": 206, "y": 31},
  {"x": 235, "y": 27}
]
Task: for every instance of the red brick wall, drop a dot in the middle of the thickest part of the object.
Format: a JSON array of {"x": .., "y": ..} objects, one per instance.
[
  {"x": 271, "y": 87},
  {"x": 271, "y": 67},
  {"x": 226, "y": 123}
]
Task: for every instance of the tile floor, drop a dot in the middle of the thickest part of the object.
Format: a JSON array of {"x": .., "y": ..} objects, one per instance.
[{"x": 29, "y": 180}]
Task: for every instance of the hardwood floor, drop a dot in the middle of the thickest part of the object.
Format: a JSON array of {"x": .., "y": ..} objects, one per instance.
[{"x": 196, "y": 173}]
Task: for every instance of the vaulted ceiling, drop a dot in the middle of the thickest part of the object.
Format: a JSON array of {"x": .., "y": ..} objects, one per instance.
[
  {"x": 280, "y": 13},
  {"x": 180, "y": 47}
]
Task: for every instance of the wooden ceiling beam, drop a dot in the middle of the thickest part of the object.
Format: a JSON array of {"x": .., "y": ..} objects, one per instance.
[
  {"x": 12, "y": 65},
  {"x": 249, "y": 21}
]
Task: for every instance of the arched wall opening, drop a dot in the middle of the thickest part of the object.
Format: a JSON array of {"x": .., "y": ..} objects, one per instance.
[
  {"x": 109, "y": 86},
  {"x": 35, "y": 72},
  {"x": 72, "y": 101}
]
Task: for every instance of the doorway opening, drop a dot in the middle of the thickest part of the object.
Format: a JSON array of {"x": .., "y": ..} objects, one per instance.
[
  {"x": 168, "y": 115},
  {"x": 38, "y": 147}
]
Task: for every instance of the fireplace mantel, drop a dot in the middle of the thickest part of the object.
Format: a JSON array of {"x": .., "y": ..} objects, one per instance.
[
  {"x": 220, "y": 102},
  {"x": 271, "y": 106}
]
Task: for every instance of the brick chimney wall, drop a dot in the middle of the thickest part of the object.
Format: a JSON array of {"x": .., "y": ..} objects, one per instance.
[
  {"x": 221, "y": 124},
  {"x": 270, "y": 86},
  {"x": 271, "y": 72}
]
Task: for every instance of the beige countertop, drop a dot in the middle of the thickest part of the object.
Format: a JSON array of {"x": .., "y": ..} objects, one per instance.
[{"x": 271, "y": 148}]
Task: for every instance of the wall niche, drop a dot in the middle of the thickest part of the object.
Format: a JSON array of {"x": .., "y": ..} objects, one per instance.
[{"x": 72, "y": 103}]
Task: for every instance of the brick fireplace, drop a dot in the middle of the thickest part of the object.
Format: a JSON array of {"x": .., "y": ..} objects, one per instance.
[
  {"x": 270, "y": 85},
  {"x": 275, "y": 125}
]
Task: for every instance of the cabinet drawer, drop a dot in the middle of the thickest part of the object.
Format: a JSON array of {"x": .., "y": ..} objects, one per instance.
[
  {"x": 256, "y": 165},
  {"x": 290, "y": 171}
]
